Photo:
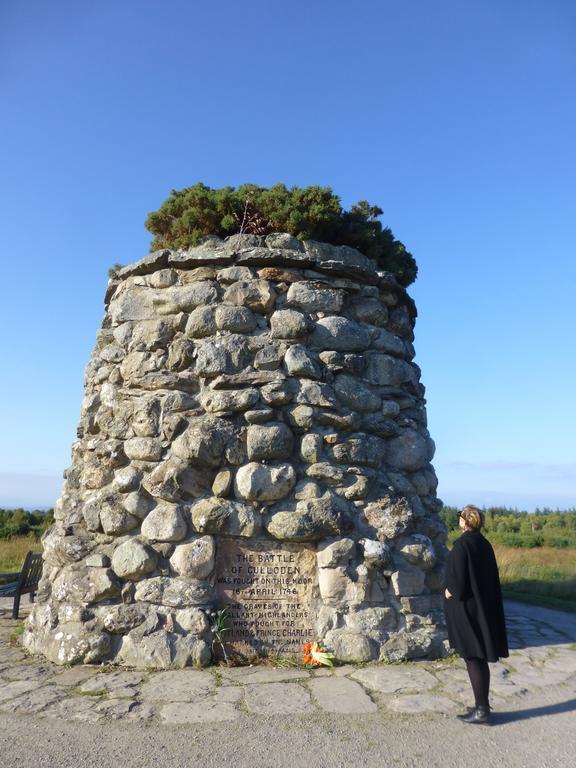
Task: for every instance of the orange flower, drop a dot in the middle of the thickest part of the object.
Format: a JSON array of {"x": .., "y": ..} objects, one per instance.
[{"x": 315, "y": 655}]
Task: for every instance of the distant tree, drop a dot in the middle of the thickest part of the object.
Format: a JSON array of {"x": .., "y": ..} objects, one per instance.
[
  {"x": 450, "y": 517},
  {"x": 308, "y": 213},
  {"x": 20, "y": 517}
]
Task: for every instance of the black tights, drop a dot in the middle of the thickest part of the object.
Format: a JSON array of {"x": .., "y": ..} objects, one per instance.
[{"x": 479, "y": 674}]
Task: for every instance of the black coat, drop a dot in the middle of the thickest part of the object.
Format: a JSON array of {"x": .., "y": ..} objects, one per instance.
[{"x": 474, "y": 613}]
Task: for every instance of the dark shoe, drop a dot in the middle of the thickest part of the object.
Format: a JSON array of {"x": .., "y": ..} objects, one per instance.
[{"x": 477, "y": 716}]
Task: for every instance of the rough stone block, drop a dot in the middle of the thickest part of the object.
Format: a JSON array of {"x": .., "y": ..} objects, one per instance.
[
  {"x": 339, "y": 334},
  {"x": 314, "y": 297},
  {"x": 300, "y": 362},
  {"x": 173, "y": 592},
  {"x": 202, "y": 322},
  {"x": 166, "y": 522},
  {"x": 408, "y": 581},
  {"x": 194, "y": 558},
  {"x": 258, "y": 482},
  {"x": 257, "y": 295},
  {"x": 288, "y": 324},
  {"x": 356, "y": 395},
  {"x": 235, "y": 319},
  {"x": 133, "y": 560},
  {"x": 229, "y": 401},
  {"x": 334, "y": 553},
  {"x": 409, "y": 451},
  {"x": 311, "y": 447},
  {"x": 363, "y": 449},
  {"x": 312, "y": 520},
  {"x": 269, "y": 441},
  {"x": 372, "y": 621},
  {"x": 220, "y": 516},
  {"x": 143, "y": 449}
]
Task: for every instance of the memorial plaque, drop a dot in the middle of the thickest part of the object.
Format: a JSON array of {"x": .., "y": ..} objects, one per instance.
[{"x": 269, "y": 587}]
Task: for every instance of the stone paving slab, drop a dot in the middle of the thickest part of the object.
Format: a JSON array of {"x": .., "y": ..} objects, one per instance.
[
  {"x": 561, "y": 663},
  {"x": 229, "y": 694},
  {"x": 36, "y": 672},
  {"x": 246, "y": 675},
  {"x": 277, "y": 699},
  {"x": 178, "y": 685},
  {"x": 421, "y": 702},
  {"x": 9, "y": 655},
  {"x": 395, "y": 679},
  {"x": 118, "y": 684},
  {"x": 74, "y": 676},
  {"x": 123, "y": 709},
  {"x": 78, "y": 708},
  {"x": 16, "y": 688},
  {"x": 536, "y": 679},
  {"x": 545, "y": 657},
  {"x": 35, "y": 700},
  {"x": 338, "y": 694}
]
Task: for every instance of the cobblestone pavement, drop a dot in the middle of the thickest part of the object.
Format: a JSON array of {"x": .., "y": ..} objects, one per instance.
[{"x": 543, "y": 657}]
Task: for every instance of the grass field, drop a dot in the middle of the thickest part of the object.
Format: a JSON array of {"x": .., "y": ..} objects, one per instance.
[
  {"x": 13, "y": 551},
  {"x": 540, "y": 576},
  {"x": 543, "y": 576}
]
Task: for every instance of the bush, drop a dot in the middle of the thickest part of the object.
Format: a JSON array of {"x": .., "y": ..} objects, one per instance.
[
  {"x": 20, "y": 522},
  {"x": 450, "y": 517},
  {"x": 308, "y": 213},
  {"x": 560, "y": 542},
  {"x": 521, "y": 540},
  {"x": 19, "y": 529}
]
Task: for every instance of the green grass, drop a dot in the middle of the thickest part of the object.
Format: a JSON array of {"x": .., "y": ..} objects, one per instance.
[
  {"x": 543, "y": 576},
  {"x": 540, "y": 575},
  {"x": 16, "y": 634},
  {"x": 13, "y": 551}
]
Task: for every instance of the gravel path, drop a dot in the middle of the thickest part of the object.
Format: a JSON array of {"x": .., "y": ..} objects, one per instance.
[{"x": 389, "y": 715}]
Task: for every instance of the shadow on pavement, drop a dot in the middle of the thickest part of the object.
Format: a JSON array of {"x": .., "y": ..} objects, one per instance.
[
  {"x": 502, "y": 718},
  {"x": 519, "y": 644}
]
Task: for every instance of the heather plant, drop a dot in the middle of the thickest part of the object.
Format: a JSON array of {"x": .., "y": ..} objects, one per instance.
[{"x": 308, "y": 213}]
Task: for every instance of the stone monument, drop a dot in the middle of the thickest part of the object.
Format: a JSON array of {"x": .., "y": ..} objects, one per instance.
[{"x": 252, "y": 438}]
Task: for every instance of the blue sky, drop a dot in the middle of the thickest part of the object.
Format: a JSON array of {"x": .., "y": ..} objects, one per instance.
[{"x": 458, "y": 119}]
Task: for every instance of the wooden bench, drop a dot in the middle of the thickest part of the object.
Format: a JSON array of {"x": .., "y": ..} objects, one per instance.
[{"x": 26, "y": 582}]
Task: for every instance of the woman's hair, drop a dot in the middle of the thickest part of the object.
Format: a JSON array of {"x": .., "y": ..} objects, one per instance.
[{"x": 473, "y": 517}]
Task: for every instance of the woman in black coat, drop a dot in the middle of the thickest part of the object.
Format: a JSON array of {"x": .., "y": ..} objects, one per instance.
[{"x": 474, "y": 610}]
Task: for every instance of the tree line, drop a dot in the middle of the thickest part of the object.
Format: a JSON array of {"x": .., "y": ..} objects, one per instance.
[
  {"x": 21, "y": 522},
  {"x": 544, "y": 527}
]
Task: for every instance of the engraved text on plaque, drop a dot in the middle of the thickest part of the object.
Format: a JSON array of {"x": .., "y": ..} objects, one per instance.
[{"x": 269, "y": 587}]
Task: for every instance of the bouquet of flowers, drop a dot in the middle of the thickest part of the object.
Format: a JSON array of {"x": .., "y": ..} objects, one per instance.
[{"x": 315, "y": 655}]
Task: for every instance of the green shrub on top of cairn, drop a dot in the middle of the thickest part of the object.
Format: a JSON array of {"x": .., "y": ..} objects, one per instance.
[{"x": 308, "y": 213}]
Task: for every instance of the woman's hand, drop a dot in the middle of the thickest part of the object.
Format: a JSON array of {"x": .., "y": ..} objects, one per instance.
[{"x": 447, "y": 594}]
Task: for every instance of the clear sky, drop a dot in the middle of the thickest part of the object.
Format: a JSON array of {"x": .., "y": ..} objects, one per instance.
[{"x": 458, "y": 119}]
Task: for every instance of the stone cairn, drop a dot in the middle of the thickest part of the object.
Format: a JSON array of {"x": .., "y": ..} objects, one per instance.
[{"x": 252, "y": 435}]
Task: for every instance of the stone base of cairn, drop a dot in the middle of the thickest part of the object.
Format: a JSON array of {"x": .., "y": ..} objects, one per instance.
[{"x": 252, "y": 453}]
